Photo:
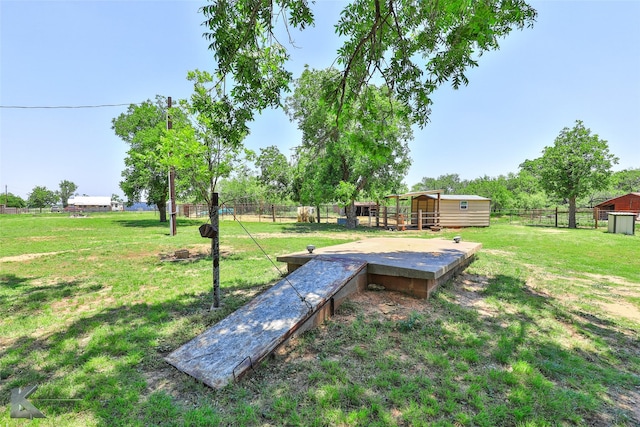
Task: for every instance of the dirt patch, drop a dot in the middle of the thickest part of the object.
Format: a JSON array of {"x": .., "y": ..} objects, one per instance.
[
  {"x": 28, "y": 257},
  {"x": 622, "y": 309},
  {"x": 393, "y": 305},
  {"x": 497, "y": 252},
  {"x": 629, "y": 400},
  {"x": 615, "y": 280},
  {"x": 193, "y": 254},
  {"x": 468, "y": 289},
  {"x": 552, "y": 230}
]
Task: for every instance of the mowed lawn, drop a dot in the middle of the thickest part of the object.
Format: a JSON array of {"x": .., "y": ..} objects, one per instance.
[{"x": 542, "y": 329}]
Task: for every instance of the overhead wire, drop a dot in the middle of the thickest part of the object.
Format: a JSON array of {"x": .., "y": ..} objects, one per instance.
[
  {"x": 286, "y": 279},
  {"x": 55, "y": 107}
]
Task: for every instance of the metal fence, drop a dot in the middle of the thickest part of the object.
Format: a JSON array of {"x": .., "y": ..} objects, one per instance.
[
  {"x": 585, "y": 217},
  {"x": 264, "y": 212}
]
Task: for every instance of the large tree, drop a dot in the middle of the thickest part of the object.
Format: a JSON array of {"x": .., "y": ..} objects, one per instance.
[
  {"x": 242, "y": 187},
  {"x": 362, "y": 153},
  {"x": 145, "y": 176},
  {"x": 209, "y": 147},
  {"x": 12, "y": 201},
  {"x": 494, "y": 189},
  {"x": 413, "y": 47},
  {"x": 67, "y": 188},
  {"x": 626, "y": 181},
  {"x": 275, "y": 173},
  {"x": 449, "y": 183},
  {"x": 41, "y": 197},
  {"x": 577, "y": 163}
]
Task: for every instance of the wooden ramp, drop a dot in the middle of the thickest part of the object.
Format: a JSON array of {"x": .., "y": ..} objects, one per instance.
[{"x": 239, "y": 342}]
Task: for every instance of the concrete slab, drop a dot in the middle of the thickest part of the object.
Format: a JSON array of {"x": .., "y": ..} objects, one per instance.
[
  {"x": 239, "y": 342},
  {"x": 412, "y": 265}
]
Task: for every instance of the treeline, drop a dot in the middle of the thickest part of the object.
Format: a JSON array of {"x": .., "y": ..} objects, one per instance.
[
  {"x": 523, "y": 190},
  {"x": 41, "y": 197},
  {"x": 275, "y": 181}
]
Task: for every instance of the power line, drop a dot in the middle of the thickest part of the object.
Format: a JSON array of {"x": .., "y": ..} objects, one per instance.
[{"x": 54, "y": 107}]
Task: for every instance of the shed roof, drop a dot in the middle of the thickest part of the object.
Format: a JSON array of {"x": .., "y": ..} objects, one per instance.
[
  {"x": 610, "y": 201},
  {"x": 413, "y": 194},
  {"x": 459, "y": 197},
  {"x": 433, "y": 194},
  {"x": 90, "y": 201}
]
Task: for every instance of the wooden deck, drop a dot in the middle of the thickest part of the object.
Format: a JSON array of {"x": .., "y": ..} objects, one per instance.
[{"x": 239, "y": 342}]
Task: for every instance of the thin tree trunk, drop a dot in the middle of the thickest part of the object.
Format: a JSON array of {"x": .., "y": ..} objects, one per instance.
[
  {"x": 350, "y": 211},
  {"x": 572, "y": 212},
  {"x": 162, "y": 208}
]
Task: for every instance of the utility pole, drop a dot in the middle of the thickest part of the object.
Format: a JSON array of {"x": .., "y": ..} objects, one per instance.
[{"x": 172, "y": 183}]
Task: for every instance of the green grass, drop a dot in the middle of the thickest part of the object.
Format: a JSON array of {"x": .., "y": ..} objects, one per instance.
[{"x": 92, "y": 308}]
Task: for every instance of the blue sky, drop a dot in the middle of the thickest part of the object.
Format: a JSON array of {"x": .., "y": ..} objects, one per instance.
[{"x": 580, "y": 61}]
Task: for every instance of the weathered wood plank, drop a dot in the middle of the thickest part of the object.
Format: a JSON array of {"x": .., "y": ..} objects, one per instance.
[{"x": 240, "y": 341}]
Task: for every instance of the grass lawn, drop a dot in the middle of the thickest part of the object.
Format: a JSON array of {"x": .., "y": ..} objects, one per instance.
[{"x": 542, "y": 329}]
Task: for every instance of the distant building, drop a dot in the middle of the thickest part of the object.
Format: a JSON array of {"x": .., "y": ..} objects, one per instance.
[
  {"x": 93, "y": 204},
  {"x": 140, "y": 206},
  {"x": 365, "y": 208}
]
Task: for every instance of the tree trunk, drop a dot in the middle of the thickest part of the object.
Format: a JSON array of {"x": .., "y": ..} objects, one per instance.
[
  {"x": 350, "y": 211},
  {"x": 162, "y": 208},
  {"x": 215, "y": 250},
  {"x": 318, "y": 213},
  {"x": 572, "y": 212}
]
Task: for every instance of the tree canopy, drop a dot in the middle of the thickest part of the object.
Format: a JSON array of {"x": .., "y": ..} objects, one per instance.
[
  {"x": 576, "y": 164},
  {"x": 363, "y": 153},
  {"x": 41, "y": 197},
  {"x": 275, "y": 173},
  {"x": 145, "y": 175},
  {"x": 412, "y": 47},
  {"x": 207, "y": 145},
  {"x": 12, "y": 201},
  {"x": 67, "y": 188}
]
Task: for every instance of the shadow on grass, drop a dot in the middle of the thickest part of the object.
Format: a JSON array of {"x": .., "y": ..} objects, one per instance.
[
  {"x": 101, "y": 359},
  {"x": 11, "y": 281},
  {"x": 155, "y": 223},
  {"x": 106, "y": 359},
  {"x": 141, "y": 223},
  {"x": 30, "y": 298},
  {"x": 567, "y": 381},
  {"x": 301, "y": 228}
]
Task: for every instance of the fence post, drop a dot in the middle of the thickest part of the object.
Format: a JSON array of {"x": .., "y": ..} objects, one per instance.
[
  {"x": 556, "y": 217},
  {"x": 419, "y": 219},
  {"x": 384, "y": 219}
]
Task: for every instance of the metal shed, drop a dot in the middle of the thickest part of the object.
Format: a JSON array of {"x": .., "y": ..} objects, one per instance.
[{"x": 622, "y": 222}]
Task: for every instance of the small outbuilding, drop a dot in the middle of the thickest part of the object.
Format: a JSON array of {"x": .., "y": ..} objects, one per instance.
[
  {"x": 622, "y": 222},
  {"x": 431, "y": 209},
  {"x": 627, "y": 203}
]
